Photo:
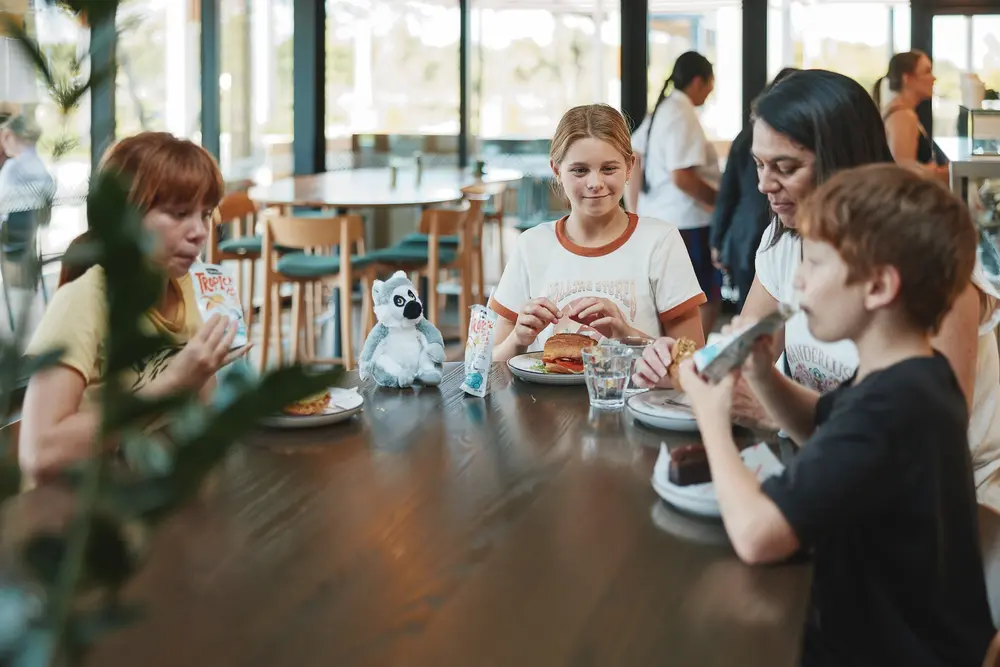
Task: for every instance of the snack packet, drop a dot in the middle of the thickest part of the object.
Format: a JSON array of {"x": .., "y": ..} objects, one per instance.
[
  {"x": 715, "y": 361},
  {"x": 215, "y": 292},
  {"x": 479, "y": 350}
]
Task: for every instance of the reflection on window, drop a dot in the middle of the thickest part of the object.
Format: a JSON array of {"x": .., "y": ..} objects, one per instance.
[
  {"x": 392, "y": 69},
  {"x": 854, "y": 38},
  {"x": 159, "y": 68},
  {"x": 533, "y": 61},
  {"x": 962, "y": 44},
  {"x": 676, "y": 26},
  {"x": 255, "y": 89}
]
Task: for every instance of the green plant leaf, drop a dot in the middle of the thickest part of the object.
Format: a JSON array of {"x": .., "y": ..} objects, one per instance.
[
  {"x": 42, "y": 556},
  {"x": 37, "y": 649},
  {"x": 130, "y": 409},
  {"x": 29, "y": 46},
  {"x": 108, "y": 560},
  {"x": 87, "y": 627}
]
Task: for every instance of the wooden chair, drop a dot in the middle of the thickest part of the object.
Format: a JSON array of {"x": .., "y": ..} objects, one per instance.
[
  {"x": 493, "y": 216},
  {"x": 431, "y": 258},
  {"x": 238, "y": 212},
  {"x": 314, "y": 263}
]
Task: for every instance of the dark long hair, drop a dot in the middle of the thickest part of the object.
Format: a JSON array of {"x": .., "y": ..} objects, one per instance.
[
  {"x": 829, "y": 114},
  {"x": 900, "y": 64},
  {"x": 689, "y": 66}
]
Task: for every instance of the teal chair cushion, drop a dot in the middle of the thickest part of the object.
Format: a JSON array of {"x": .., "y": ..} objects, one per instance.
[
  {"x": 248, "y": 245},
  {"x": 300, "y": 265},
  {"x": 422, "y": 239},
  {"x": 409, "y": 254}
]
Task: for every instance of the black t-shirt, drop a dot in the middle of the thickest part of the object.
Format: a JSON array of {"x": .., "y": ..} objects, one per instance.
[{"x": 883, "y": 493}]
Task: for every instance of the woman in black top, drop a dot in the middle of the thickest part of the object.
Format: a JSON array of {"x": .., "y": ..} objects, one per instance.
[
  {"x": 741, "y": 213},
  {"x": 909, "y": 81}
]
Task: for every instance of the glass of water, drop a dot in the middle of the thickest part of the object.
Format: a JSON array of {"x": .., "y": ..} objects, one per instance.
[
  {"x": 637, "y": 345},
  {"x": 606, "y": 369}
]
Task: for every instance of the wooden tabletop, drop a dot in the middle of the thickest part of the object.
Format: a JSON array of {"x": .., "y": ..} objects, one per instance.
[
  {"x": 440, "y": 529},
  {"x": 372, "y": 188}
]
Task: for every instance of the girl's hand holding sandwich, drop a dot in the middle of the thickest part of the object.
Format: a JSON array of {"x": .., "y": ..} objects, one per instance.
[
  {"x": 601, "y": 315},
  {"x": 533, "y": 318},
  {"x": 659, "y": 365}
]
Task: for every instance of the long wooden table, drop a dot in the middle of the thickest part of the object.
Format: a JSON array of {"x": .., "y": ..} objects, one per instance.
[{"x": 440, "y": 529}]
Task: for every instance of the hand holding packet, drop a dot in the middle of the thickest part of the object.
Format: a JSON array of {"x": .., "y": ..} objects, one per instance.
[
  {"x": 215, "y": 292},
  {"x": 717, "y": 360}
]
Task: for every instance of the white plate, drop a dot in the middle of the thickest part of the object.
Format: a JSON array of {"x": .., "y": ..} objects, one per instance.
[
  {"x": 524, "y": 366},
  {"x": 344, "y": 404},
  {"x": 700, "y": 498},
  {"x": 668, "y": 409}
]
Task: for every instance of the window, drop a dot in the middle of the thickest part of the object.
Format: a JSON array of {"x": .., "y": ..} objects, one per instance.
[
  {"x": 255, "y": 89},
  {"x": 676, "y": 26},
  {"x": 159, "y": 68},
  {"x": 534, "y": 60},
  {"x": 853, "y": 37},
  {"x": 962, "y": 44},
  {"x": 392, "y": 70}
]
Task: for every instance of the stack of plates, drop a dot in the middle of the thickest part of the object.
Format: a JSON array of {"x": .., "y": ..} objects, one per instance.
[{"x": 667, "y": 409}]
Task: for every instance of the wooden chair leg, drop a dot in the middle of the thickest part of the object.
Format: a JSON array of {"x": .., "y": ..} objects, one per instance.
[
  {"x": 309, "y": 330},
  {"x": 278, "y": 324},
  {"x": 344, "y": 317},
  {"x": 250, "y": 298},
  {"x": 367, "y": 314},
  {"x": 480, "y": 276},
  {"x": 266, "y": 316},
  {"x": 464, "y": 298},
  {"x": 298, "y": 299}
]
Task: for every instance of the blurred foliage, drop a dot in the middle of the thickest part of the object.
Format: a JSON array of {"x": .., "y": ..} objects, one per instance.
[{"x": 65, "y": 593}]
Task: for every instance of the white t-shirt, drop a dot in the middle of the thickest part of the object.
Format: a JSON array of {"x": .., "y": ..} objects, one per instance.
[
  {"x": 676, "y": 141},
  {"x": 646, "y": 272},
  {"x": 824, "y": 366}
]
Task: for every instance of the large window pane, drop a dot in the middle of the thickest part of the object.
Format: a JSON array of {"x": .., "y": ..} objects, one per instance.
[
  {"x": 392, "y": 70},
  {"x": 159, "y": 67},
  {"x": 986, "y": 49},
  {"x": 255, "y": 89},
  {"x": 951, "y": 58},
  {"x": 533, "y": 61},
  {"x": 853, "y": 37},
  {"x": 717, "y": 33}
]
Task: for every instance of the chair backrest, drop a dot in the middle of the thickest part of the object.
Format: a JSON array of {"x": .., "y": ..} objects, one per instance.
[
  {"x": 465, "y": 223},
  {"x": 236, "y": 208},
  {"x": 495, "y": 191},
  {"x": 314, "y": 233}
]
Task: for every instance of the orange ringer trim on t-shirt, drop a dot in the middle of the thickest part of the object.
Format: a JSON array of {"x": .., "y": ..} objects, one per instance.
[
  {"x": 502, "y": 310},
  {"x": 678, "y": 310},
  {"x": 600, "y": 251}
]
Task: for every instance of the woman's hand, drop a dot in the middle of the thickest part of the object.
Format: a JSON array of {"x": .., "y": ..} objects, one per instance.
[
  {"x": 533, "y": 318},
  {"x": 760, "y": 362},
  {"x": 202, "y": 357},
  {"x": 599, "y": 314},
  {"x": 711, "y": 403},
  {"x": 717, "y": 261},
  {"x": 651, "y": 368}
]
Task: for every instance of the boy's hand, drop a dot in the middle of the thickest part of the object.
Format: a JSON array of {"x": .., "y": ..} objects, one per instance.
[
  {"x": 760, "y": 363},
  {"x": 711, "y": 403}
]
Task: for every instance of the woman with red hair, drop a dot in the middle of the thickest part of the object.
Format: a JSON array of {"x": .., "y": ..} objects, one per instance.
[{"x": 176, "y": 185}]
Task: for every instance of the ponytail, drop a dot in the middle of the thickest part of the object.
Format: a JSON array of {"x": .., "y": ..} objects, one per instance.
[
  {"x": 649, "y": 128},
  {"x": 877, "y": 92}
]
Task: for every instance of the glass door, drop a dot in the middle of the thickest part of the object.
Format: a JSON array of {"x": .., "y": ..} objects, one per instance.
[{"x": 962, "y": 44}]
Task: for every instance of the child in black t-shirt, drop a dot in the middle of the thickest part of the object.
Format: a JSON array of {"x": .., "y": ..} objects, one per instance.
[{"x": 882, "y": 489}]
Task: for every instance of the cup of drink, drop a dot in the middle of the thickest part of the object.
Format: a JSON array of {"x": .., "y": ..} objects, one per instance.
[
  {"x": 606, "y": 370},
  {"x": 637, "y": 345}
]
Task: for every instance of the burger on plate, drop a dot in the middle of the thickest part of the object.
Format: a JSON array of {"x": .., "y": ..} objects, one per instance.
[
  {"x": 311, "y": 405},
  {"x": 563, "y": 353},
  {"x": 684, "y": 348}
]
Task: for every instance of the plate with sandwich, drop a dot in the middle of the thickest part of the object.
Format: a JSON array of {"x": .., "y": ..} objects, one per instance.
[
  {"x": 322, "y": 409},
  {"x": 668, "y": 409},
  {"x": 560, "y": 362},
  {"x": 683, "y": 477}
]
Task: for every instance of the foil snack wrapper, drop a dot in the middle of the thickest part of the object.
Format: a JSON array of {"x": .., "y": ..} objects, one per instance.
[
  {"x": 215, "y": 292},
  {"x": 479, "y": 350},
  {"x": 717, "y": 360}
]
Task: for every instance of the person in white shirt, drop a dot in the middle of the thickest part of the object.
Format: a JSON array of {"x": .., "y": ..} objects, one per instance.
[
  {"x": 599, "y": 271},
  {"x": 677, "y": 175},
  {"x": 806, "y": 128}
]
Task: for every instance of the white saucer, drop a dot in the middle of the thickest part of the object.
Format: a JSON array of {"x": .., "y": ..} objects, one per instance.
[
  {"x": 344, "y": 404},
  {"x": 667, "y": 409},
  {"x": 525, "y": 367},
  {"x": 700, "y": 499}
]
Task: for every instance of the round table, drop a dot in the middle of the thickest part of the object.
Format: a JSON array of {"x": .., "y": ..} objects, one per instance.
[{"x": 372, "y": 188}]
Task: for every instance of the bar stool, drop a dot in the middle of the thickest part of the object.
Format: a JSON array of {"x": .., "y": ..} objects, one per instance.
[{"x": 300, "y": 251}]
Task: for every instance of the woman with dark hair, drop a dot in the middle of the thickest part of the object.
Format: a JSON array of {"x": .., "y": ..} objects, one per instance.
[
  {"x": 678, "y": 170},
  {"x": 740, "y": 212},
  {"x": 909, "y": 81}
]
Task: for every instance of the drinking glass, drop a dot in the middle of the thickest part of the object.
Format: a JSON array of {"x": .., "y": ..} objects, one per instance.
[
  {"x": 606, "y": 370},
  {"x": 637, "y": 345}
]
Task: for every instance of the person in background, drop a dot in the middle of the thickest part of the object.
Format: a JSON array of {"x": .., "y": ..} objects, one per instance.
[
  {"x": 677, "y": 172},
  {"x": 176, "y": 185},
  {"x": 881, "y": 490},
  {"x": 599, "y": 269},
  {"x": 741, "y": 214},
  {"x": 909, "y": 81}
]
